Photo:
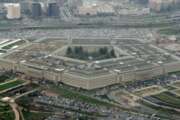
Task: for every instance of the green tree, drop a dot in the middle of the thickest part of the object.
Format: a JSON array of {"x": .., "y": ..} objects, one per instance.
[
  {"x": 103, "y": 50},
  {"x": 112, "y": 53},
  {"x": 69, "y": 51},
  {"x": 78, "y": 50},
  {"x": 81, "y": 50}
]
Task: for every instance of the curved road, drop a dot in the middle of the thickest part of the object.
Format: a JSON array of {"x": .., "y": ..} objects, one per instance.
[{"x": 14, "y": 107}]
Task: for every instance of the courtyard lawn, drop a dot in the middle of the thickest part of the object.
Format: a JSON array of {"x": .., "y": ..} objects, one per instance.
[{"x": 10, "y": 84}]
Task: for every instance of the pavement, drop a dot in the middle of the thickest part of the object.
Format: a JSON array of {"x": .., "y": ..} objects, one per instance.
[{"x": 14, "y": 107}]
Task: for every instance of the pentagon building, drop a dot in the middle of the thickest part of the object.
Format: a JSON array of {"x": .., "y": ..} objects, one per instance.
[{"x": 46, "y": 59}]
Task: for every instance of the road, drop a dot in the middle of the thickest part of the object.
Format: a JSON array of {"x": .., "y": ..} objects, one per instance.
[{"x": 14, "y": 107}]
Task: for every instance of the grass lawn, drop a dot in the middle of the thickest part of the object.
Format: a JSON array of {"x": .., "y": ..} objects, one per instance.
[
  {"x": 168, "y": 98},
  {"x": 7, "y": 116},
  {"x": 10, "y": 84},
  {"x": 6, "y": 112},
  {"x": 6, "y": 76},
  {"x": 13, "y": 44},
  {"x": 170, "y": 31},
  {"x": 176, "y": 85},
  {"x": 148, "y": 91},
  {"x": 4, "y": 23},
  {"x": 3, "y": 78},
  {"x": 160, "y": 112},
  {"x": 176, "y": 92},
  {"x": 170, "y": 87},
  {"x": 4, "y": 107},
  {"x": 77, "y": 95},
  {"x": 35, "y": 115}
]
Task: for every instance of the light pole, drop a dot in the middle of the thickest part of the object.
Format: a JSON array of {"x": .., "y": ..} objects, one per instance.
[
  {"x": 61, "y": 72},
  {"x": 118, "y": 72}
]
